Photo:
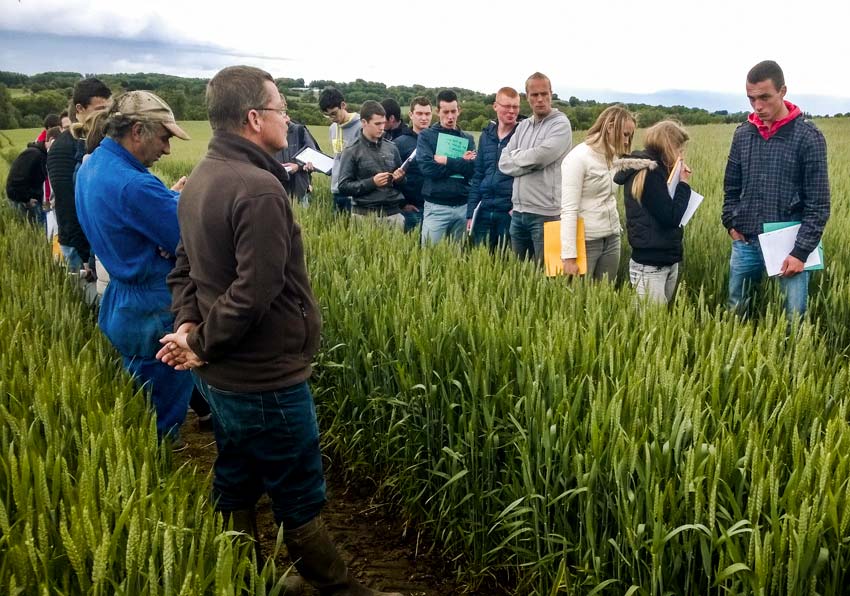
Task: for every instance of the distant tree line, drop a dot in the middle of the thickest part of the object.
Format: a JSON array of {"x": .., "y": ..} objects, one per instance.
[{"x": 37, "y": 95}]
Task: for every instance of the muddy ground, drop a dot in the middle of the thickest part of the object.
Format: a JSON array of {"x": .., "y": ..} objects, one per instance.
[{"x": 380, "y": 549}]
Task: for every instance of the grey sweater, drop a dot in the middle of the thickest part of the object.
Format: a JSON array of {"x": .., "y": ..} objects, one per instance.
[
  {"x": 342, "y": 137},
  {"x": 533, "y": 157}
]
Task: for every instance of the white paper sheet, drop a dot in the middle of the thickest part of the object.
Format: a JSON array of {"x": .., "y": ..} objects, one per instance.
[
  {"x": 409, "y": 160},
  {"x": 777, "y": 245},
  {"x": 693, "y": 204}
]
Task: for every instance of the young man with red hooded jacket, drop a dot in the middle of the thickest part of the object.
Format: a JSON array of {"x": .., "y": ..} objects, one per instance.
[{"x": 776, "y": 172}]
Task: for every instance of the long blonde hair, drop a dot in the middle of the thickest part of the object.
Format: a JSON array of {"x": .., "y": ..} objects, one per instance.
[
  {"x": 606, "y": 134},
  {"x": 667, "y": 138}
]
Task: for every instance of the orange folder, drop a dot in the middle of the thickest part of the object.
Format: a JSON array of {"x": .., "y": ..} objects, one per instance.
[{"x": 552, "y": 248}]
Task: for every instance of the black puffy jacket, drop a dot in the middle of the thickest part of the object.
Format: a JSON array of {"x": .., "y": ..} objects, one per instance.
[
  {"x": 63, "y": 159},
  {"x": 653, "y": 222},
  {"x": 27, "y": 174}
]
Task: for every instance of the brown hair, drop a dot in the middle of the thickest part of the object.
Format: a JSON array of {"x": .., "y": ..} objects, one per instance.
[
  {"x": 538, "y": 76},
  {"x": 767, "y": 70},
  {"x": 52, "y": 133},
  {"x": 232, "y": 93},
  {"x": 419, "y": 100},
  {"x": 667, "y": 138},
  {"x": 606, "y": 134}
]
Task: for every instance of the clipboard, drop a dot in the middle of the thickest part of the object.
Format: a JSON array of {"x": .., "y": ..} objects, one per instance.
[
  {"x": 774, "y": 261},
  {"x": 321, "y": 162},
  {"x": 674, "y": 177},
  {"x": 552, "y": 248}
]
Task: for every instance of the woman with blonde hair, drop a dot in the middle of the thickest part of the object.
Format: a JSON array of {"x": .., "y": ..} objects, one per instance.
[
  {"x": 653, "y": 217},
  {"x": 588, "y": 192}
]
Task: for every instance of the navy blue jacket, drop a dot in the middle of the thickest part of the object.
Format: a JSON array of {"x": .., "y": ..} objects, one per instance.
[
  {"x": 411, "y": 186},
  {"x": 783, "y": 178},
  {"x": 489, "y": 185},
  {"x": 444, "y": 184}
]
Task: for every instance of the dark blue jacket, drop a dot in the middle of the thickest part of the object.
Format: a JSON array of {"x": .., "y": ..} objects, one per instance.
[
  {"x": 489, "y": 185},
  {"x": 444, "y": 184},
  {"x": 411, "y": 185},
  {"x": 783, "y": 178}
]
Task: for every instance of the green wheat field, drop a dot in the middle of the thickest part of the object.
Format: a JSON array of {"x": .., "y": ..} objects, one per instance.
[{"x": 558, "y": 436}]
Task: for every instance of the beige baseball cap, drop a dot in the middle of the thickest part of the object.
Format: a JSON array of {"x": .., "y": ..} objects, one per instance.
[{"x": 145, "y": 106}]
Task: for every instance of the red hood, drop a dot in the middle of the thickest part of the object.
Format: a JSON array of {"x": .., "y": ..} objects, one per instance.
[{"x": 768, "y": 131}]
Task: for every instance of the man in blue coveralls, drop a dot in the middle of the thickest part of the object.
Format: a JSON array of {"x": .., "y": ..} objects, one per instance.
[{"x": 130, "y": 219}]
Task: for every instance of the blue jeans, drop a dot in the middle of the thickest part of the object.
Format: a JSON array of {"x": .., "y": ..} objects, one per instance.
[
  {"x": 169, "y": 391},
  {"x": 342, "y": 203},
  {"x": 267, "y": 442},
  {"x": 527, "y": 234},
  {"x": 412, "y": 219},
  {"x": 73, "y": 260},
  {"x": 492, "y": 227},
  {"x": 443, "y": 220},
  {"x": 746, "y": 269},
  {"x": 32, "y": 214}
]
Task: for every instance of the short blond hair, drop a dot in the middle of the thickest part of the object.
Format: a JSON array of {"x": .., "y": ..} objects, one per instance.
[{"x": 538, "y": 76}]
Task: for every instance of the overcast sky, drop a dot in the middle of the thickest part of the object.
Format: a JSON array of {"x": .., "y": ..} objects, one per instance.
[{"x": 621, "y": 45}]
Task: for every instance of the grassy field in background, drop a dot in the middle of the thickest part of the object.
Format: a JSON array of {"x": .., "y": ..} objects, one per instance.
[{"x": 558, "y": 434}]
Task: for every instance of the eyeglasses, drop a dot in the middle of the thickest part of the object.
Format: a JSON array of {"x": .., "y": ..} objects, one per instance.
[
  {"x": 506, "y": 106},
  {"x": 331, "y": 114},
  {"x": 281, "y": 111}
]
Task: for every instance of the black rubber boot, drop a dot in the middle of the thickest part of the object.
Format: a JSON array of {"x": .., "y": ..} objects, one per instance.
[
  {"x": 245, "y": 521},
  {"x": 318, "y": 562}
]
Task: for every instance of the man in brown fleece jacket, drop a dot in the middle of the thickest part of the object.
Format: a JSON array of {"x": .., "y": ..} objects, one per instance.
[{"x": 248, "y": 325}]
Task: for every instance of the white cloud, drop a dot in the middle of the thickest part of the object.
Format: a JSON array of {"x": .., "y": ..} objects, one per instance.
[{"x": 608, "y": 44}]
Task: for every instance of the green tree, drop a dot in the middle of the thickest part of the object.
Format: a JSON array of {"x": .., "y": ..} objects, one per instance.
[
  {"x": 8, "y": 111},
  {"x": 42, "y": 103}
]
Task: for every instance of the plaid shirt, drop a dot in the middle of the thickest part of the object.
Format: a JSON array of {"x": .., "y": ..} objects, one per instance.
[{"x": 780, "y": 179}]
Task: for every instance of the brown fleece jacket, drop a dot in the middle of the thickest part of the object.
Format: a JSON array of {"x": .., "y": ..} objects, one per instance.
[{"x": 240, "y": 272}]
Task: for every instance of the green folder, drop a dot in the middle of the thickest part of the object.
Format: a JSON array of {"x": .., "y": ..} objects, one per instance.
[
  {"x": 778, "y": 225},
  {"x": 452, "y": 147}
]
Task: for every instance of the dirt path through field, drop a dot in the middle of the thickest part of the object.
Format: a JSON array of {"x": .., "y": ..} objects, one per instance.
[{"x": 376, "y": 546}]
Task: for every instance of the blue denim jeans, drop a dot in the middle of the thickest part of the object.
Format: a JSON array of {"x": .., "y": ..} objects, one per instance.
[
  {"x": 169, "y": 391},
  {"x": 412, "y": 219},
  {"x": 443, "y": 220},
  {"x": 267, "y": 442},
  {"x": 492, "y": 227},
  {"x": 32, "y": 214},
  {"x": 73, "y": 260},
  {"x": 342, "y": 203},
  {"x": 746, "y": 269},
  {"x": 527, "y": 234}
]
